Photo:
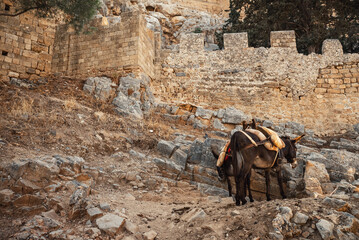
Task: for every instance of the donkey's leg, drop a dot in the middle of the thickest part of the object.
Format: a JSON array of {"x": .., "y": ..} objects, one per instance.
[
  {"x": 248, "y": 181},
  {"x": 267, "y": 175},
  {"x": 238, "y": 190},
  {"x": 280, "y": 182},
  {"x": 229, "y": 186}
]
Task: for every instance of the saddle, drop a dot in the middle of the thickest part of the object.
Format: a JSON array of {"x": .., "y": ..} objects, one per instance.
[{"x": 264, "y": 133}]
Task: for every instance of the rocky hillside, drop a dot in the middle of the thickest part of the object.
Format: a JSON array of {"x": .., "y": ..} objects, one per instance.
[{"x": 78, "y": 164}]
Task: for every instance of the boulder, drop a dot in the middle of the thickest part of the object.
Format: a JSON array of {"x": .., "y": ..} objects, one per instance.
[
  {"x": 234, "y": 116},
  {"x": 28, "y": 201},
  {"x": 204, "y": 113},
  {"x": 101, "y": 87},
  {"x": 325, "y": 229},
  {"x": 300, "y": 218},
  {"x": 316, "y": 170},
  {"x": 166, "y": 148},
  {"x": 110, "y": 223},
  {"x": 94, "y": 213}
]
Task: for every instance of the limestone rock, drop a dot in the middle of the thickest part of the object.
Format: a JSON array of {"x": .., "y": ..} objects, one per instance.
[
  {"x": 313, "y": 187},
  {"x": 100, "y": 87},
  {"x": 234, "y": 116},
  {"x": 110, "y": 223},
  {"x": 325, "y": 229},
  {"x": 6, "y": 195},
  {"x": 193, "y": 215},
  {"x": 151, "y": 235},
  {"x": 28, "y": 200},
  {"x": 300, "y": 218},
  {"x": 165, "y": 147},
  {"x": 94, "y": 213},
  {"x": 316, "y": 170},
  {"x": 204, "y": 113}
]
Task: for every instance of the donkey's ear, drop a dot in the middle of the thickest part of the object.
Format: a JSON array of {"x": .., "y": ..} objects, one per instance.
[{"x": 297, "y": 139}]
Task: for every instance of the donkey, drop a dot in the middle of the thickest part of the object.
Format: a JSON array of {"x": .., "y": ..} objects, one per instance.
[{"x": 245, "y": 156}]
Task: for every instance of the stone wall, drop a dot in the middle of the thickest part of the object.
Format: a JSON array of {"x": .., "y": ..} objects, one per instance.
[
  {"x": 25, "y": 45},
  {"x": 107, "y": 50},
  {"x": 274, "y": 83}
]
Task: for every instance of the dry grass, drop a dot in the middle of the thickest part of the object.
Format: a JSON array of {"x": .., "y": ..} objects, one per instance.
[
  {"x": 70, "y": 104},
  {"x": 22, "y": 106}
]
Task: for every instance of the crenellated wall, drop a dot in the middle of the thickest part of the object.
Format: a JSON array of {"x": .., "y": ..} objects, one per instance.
[{"x": 275, "y": 83}]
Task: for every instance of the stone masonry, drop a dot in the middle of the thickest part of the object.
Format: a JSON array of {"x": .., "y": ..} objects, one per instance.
[{"x": 276, "y": 83}]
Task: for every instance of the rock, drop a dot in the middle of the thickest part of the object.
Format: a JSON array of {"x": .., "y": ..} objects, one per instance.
[
  {"x": 300, "y": 218},
  {"x": 313, "y": 187},
  {"x": 38, "y": 171},
  {"x": 283, "y": 217},
  {"x": 105, "y": 206},
  {"x": 276, "y": 235},
  {"x": 100, "y": 87},
  {"x": 180, "y": 157},
  {"x": 151, "y": 235},
  {"x": 93, "y": 232},
  {"x": 316, "y": 170},
  {"x": 345, "y": 144},
  {"x": 79, "y": 194},
  {"x": 28, "y": 200},
  {"x": 199, "y": 124},
  {"x": 26, "y": 187},
  {"x": 131, "y": 176},
  {"x": 51, "y": 214},
  {"x": 166, "y": 148},
  {"x": 57, "y": 234},
  {"x": 193, "y": 215},
  {"x": 204, "y": 113},
  {"x": 6, "y": 195},
  {"x": 356, "y": 127},
  {"x": 325, "y": 229},
  {"x": 296, "y": 128},
  {"x": 131, "y": 227},
  {"x": 234, "y": 116},
  {"x": 217, "y": 124},
  {"x": 338, "y": 204},
  {"x": 110, "y": 223},
  {"x": 94, "y": 213}
]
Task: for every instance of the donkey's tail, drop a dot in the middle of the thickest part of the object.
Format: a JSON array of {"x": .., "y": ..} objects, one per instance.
[{"x": 237, "y": 158}]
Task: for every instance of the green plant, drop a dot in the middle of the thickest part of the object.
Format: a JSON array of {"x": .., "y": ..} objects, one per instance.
[
  {"x": 77, "y": 13},
  {"x": 197, "y": 30},
  {"x": 313, "y": 21}
]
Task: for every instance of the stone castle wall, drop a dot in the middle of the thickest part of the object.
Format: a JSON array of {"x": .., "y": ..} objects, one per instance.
[
  {"x": 109, "y": 49},
  {"x": 277, "y": 83},
  {"x": 26, "y": 45},
  {"x": 31, "y": 48}
]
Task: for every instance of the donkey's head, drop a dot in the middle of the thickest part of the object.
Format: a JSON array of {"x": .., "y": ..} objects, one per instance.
[{"x": 290, "y": 150}]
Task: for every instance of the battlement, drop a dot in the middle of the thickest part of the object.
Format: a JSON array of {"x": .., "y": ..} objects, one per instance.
[{"x": 194, "y": 42}]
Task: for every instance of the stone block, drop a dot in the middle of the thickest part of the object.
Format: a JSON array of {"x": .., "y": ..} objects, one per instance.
[{"x": 332, "y": 48}]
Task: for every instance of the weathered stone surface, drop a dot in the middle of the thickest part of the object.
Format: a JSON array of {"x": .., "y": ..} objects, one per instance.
[
  {"x": 204, "y": 113},
  {"x": 338, "y": 204},
  {"x": 313, "y": 186},
  {"x": 234, "y": 116},
  {"x": 325, "y": 229},
  {"x": 217, "y": 124},
  {"x": 193, "y": 215},
  {"x": 100, "y": 87},
  {"x": 131, "y": 227},
  {"x": 94, "y": 213},
  {"x": 166, "y": 148},
  {"x": 28, "y": 200},
  {"x": 110, "y": 223},
  {"x": 151, "y": 235},
  {"x": 300, "y": 218},
  {"x": 180, "y": 157},
  {"x": 316, "y": 170},
  {"x": 6, "y": 195}
]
